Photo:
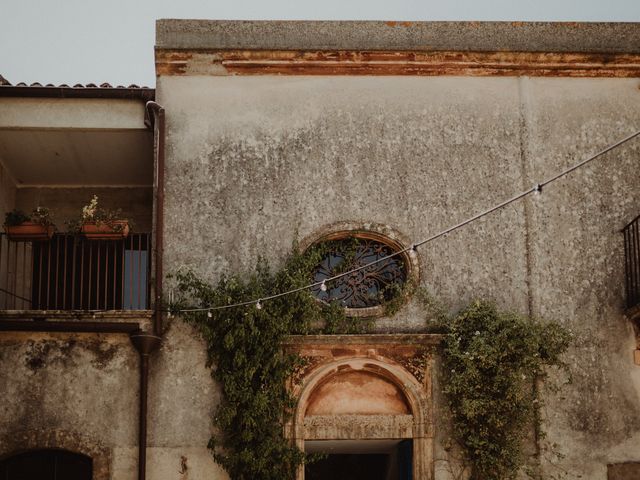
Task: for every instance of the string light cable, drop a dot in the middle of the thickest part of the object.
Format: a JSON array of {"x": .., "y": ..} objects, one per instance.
[{"x": 536, "y": 189}]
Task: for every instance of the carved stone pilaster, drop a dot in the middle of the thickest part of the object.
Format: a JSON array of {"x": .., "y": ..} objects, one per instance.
[{"x": 417, "y": 365}]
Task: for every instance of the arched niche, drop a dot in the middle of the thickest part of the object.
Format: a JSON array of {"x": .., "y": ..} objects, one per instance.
[
  {"x": 365, "y": 388},
  {"x": 19, "y": 442},
  {"x": 357, "y": 391},
  {"x": 47, "y": 463}
]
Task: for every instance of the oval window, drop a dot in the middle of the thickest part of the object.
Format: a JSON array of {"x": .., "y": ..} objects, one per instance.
[{"x": 371, "y": 286}]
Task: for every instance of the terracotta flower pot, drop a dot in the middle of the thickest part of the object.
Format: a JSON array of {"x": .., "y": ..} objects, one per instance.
[
  {"x": 29, "y": 232},
  {"x": 115, "y": 230}
]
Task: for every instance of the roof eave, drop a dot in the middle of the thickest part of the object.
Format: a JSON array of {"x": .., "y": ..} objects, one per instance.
[{"x": 143, "y": 94}]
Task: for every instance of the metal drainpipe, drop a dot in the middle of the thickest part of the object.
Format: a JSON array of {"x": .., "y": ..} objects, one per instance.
[
  {"x": 146, "y": 344},
  {"x": 156, "y": 119}
]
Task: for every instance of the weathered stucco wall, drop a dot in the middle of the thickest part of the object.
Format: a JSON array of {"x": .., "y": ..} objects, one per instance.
[
  {"x": 287, "y": 155},
  {"x": 577, "y": 263},
  {"x": 254, "y": 161},
  {"x": 80, "y": 392},
  {"x": 182, "y": 400},
  {"x": 76, "y": 392}
]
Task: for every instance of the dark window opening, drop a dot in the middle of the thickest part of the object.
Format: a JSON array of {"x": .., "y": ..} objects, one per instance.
[{"x": 47, "y": 465}]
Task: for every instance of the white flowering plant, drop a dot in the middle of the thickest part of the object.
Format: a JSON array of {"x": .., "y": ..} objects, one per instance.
[{"x": 94, "y": 214}]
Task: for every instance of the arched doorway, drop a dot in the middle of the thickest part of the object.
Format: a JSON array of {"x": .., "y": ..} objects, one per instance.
[
  {"x": 47, "y": 464},
  {"x": 364, "y": 403}
]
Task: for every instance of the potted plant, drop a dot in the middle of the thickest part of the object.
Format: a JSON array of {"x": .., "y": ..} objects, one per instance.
[
  {"x": 97, "y": 223},
  {"x": 21, "y": 227}
]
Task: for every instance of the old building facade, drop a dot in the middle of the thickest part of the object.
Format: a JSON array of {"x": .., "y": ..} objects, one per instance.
[{"x": 263, "y": 133}]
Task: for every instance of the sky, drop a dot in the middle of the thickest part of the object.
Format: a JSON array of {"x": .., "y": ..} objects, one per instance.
[{"x": 97, "y": 41}]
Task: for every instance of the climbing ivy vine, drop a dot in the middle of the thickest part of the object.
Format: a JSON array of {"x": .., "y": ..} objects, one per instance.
[
  {"x": 245, "y": 355},
  {"x": 490, "y": 361}
]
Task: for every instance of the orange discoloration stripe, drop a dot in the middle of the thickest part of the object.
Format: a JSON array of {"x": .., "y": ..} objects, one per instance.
[{"x": 339, "y": 62}]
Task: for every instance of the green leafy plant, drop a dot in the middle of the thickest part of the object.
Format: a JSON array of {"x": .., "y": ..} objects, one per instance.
[
  {"x": 39, "y": 215},
  {"x": 244, "y": 347},
  {"x": 15, "y": 217},
  {"x": 491, "y": 360},
  {"x": 93, "y": 213}
]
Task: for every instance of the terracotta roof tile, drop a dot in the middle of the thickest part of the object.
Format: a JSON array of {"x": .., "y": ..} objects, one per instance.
[
  {"x": 5, "y": 82},
  {"x": 89, "y": 90}
]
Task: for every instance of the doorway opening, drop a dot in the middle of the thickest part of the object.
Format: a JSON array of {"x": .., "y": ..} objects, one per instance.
[{"x": 360, "y": 459}]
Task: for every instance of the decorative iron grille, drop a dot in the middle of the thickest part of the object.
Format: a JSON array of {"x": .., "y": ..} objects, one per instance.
[
  {"x": 365, "y": 288},
  {"x": 632, "y": 262}
]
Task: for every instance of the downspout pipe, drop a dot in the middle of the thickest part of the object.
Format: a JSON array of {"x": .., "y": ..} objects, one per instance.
[
  {"x": 145, "y": 344},
  {"x": 155, "y": 118}
]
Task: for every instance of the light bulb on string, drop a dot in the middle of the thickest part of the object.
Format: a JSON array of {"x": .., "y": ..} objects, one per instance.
[
  {"x": 538, "y": 189},
  {"x": 259, "y": 305},
  {"x": 323, "y": 286},
  {"x": 209, "y": 314}
]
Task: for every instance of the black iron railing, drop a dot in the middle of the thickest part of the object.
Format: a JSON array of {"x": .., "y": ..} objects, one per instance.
[
  {"x": 632, "y": 262},
  {"x": 70, "y": 272}
]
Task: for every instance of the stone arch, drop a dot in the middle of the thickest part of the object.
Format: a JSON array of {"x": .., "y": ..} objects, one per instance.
[
  {"x": 25, "y": 440},
  {"x": 413, "y": 391},
  {"x": 390, "y": 421}
]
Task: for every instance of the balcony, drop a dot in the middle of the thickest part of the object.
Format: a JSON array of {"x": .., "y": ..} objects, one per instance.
[
  {"x": 632, "y": 267},
  {"x": 58, "y": 148},
  {"x": 70, "y": 272}
]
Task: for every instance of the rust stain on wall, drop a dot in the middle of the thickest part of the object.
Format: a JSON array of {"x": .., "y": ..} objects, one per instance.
[
  {"x": 398, "y": 24},
  {"x": 349, "y": 62},
  {"x": 172, "y": 63}
]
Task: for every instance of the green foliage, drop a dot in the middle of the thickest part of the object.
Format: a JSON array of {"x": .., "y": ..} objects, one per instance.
[
  {"x": 491, "y": 361},
  {"x": 15, "y": 217},
  {"x": 39, "y": 215},
  {"x": 244, "y": 347}
]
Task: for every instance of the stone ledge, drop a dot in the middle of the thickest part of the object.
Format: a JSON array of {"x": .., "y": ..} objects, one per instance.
[
  {"x": 78, "y": 315},
  {"x": 591, "y": 37},
  {"x": 114, "y": 321}
]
